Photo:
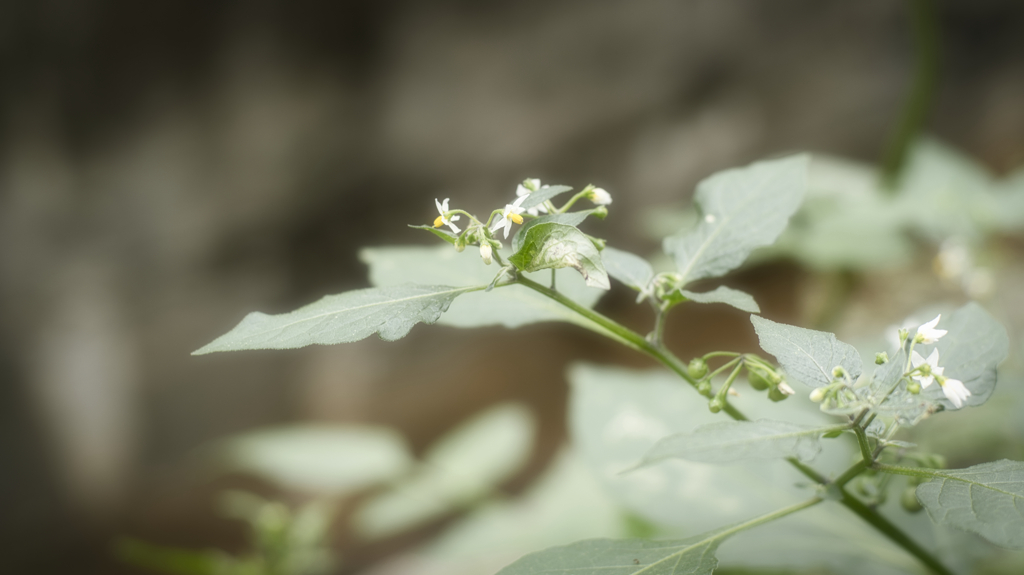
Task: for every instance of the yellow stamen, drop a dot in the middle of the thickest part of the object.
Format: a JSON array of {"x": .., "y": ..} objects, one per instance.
[
  {"x": 516, "y": 218},
  {"x": 439, "y": 221}
]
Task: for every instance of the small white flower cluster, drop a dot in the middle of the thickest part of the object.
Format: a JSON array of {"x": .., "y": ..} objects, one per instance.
[
  {"x": 511, "y": 214},
  {"x": 927, "y": 371}
]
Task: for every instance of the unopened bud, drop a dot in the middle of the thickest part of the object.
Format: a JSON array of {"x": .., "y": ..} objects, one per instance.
[
  {"x": 600, "y": 212},
  {"x": 903, "y": 333},
  {"x": 704, "y": 388},
  {"x": 914, "y": 387},
  {"x": 698, "y": 368},
  {"x": 881, "y": 357},
  {"x": 486, "y": 253},
  {"x": 838, "y": 371},
  {"x": 818, "y": 394},
  {"x": 460, "y": 243},
  {"x": 598, "y": 243},
  {"x": 908, "y": 499},
  {"x": 757, "y": 380},
  {"x": 716, "y": 405},
  {"x": 780, "y": 392},
  {"x": 600, "y": 196}
]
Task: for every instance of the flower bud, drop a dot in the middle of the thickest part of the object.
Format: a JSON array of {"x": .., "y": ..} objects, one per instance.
[
  {"x": 698, "y": 368},
  {"x": 716, "y": 405},
  {"x": 599, "y": 196},
  {"x": 903, "y": 333},
  {"x": 818, "y": 394},
  {"x": 486, "y": 253},
  {"x": 908, "y": 499},
  {"x": 460, "y": 243},
  {"x": 838, "y": 371},
  {"x": 757, "y": 380},
  {"x": 780, "y": 392},
  {"x": 914, "y": 387},
  {"x": 600, "y": 212},
  {"x": 704, "y": 388},
  {"x": 881, "y": 357}
]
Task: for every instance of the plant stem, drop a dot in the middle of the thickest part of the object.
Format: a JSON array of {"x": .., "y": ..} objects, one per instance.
[
  {"x": 619, "y": 332},
  {"x": 925, "y": 29}
]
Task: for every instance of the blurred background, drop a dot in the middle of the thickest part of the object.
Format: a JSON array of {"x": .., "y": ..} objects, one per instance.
[{"x": 167, "y": 167}]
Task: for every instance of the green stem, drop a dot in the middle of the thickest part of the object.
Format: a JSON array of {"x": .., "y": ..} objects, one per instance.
[
  {"x": 925, "y": 27},
  {"x": 636, "y": 341},
  {"x": 766, "y": 518},
  {"x": 893, "y": 532},
  {"x": 909, "y": 471},
  {"x": 862, "y": 442}
]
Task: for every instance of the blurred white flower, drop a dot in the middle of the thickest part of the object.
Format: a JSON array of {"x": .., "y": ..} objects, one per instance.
[
  {"x": 486, "y": 253},
  {"x": 955, "y": 391},
  {"x": 927, "y": 374},
  {"x": 927, "y": 332},
  {"x": 529, "y": 186},
  {"x": 600, "y": 196}
]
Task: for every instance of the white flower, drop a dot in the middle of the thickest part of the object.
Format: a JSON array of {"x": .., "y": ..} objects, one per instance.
[
  {"x": 509, "y": 215},
  {"x": 927, "y": 332},
  {"x": 529, "y": 186},
  {"x": 600, "y": 197},
  {"x": 927, "y": 375},
  {"x": 955, "y": 391},
  {"x": 785, "y": 388},
  {"x": 442, "y": 208},
  {"x": 486, "y": 252}
]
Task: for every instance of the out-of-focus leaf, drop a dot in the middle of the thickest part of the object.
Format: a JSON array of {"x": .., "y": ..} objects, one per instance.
[
  {"x": 975, "y": 345},
  {"x": 743, "y": 209},
  {"x": 807, "y": 355},
  {"x": 510, "y": 306},
  {"x": 174, "y": 561},
  {"x": 542, "y": 195},
  {"x": 616, "y": 415},
  {"x": 734, "y": 297},
  {"x": 350, "y": 316},
  {"x": 330, "y": 459},
  {"x": 554, "y": 246},
  {"x": 632, "y": 270},
  {"x": 986, "y": 499},
  {"x": 728, "y": 441},
  {"x": 464, "y": 466}
]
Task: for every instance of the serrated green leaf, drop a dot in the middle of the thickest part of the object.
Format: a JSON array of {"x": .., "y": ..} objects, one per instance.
[
  {"x": 511, "y": 306},
  {"x": 351, "y": 316},
  {"x": 693, "y": 556},
  {"x": 986, "y": 499},
  {"x": 632, "y": 270},
  {"x": 444, "y": 235},
  {"x": 734, "y": 297},
  {"x": 554, "y": 246},
  {"x": 330, "y": 459},
  {"x": 975, "y": 345},
  {"x": 728, "y": 441},
  {"x": 807, "y": 355},
  {"x": 542, "y": 195},
  {"x": 568, "y": 218},
  {"x": 742, "y": 209}
]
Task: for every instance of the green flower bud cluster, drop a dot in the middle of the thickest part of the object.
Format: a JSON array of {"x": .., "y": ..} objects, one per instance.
[{"x": 764, "y": 377}]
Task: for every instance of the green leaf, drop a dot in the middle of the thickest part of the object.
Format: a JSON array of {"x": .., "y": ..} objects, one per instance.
[
  {"x": 444, "y": 235},
  {"x": 693, "y": 556},
  {"x": 542, "y": 195},
  {"x": 728, "y": 441},
  {"x": 330, "y": 459},
  {"x": 807, "y": 355},
  {"x": 462, "y": 467},
  {"x": 553, "y": 246},
  {"x": 734, "y": 297},
  {"x": 350, "y": 316},
  {"x": 632, "y": 270},
  {"x": 986, "y": 499},
  {"x": 743, "y": 209},
  {"x": 175, "y": 561},
  {"x": 617, "y": 415},
  {"x": 975, "y": 345},
  {"x": 511, "y": 306},
  {"x": 569, "y": 219}
]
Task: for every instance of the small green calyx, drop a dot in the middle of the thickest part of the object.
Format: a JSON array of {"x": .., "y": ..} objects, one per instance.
[
  {"x": 881, "y": 358},
  {"x": 698, "y": 368}
]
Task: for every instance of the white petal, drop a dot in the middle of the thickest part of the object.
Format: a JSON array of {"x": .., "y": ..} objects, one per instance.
[
  {"x": 933, "y": 358},
  {"x": 522, "y": 191},
  {"x": 508, "y": 226},
  {"x": 535, "y": 182},
  {"x": 515, "y": 205},
  {"x": 785, "y": 388},
  {"x": 916, "y": 359},
  {"x": 929, "y": 325},
  {"x": 441, "y": 209},
  {"x": 956, "y": 391}
]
